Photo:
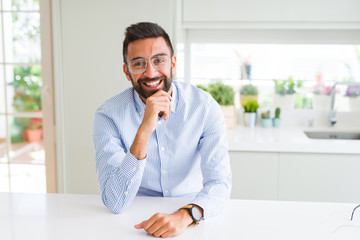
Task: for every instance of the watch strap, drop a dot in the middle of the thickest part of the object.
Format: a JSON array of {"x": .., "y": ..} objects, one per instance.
[{"x": 188, "y": 208}]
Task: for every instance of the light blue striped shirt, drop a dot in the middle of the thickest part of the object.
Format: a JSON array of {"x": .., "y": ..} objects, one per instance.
[{"x": 187, "y": 155}]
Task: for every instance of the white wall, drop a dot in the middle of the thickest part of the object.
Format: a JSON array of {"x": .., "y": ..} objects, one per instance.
[{"x": 88, "y": 37}]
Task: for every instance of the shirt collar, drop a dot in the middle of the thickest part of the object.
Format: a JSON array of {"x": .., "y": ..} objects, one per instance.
[{"x": 140, "y": 106}]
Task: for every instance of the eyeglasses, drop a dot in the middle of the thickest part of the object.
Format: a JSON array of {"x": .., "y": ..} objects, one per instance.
[
  {"x": 352, "y": 214},
  {"x": 159, "y": 62}
]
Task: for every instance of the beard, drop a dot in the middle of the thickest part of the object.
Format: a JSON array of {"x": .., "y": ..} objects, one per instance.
[{"x": 144, "y": 93}]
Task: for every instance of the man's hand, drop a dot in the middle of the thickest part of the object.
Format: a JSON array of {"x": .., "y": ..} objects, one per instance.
[
  {"x": 166, "y": 225},
  {"x": 157, "y": 105}
]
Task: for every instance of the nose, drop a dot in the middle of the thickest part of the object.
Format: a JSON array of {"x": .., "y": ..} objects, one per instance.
[{"x": 150, "y": 71}]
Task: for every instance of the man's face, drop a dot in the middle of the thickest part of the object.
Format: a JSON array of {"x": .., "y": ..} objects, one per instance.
[{"x": 152, "y": 80}]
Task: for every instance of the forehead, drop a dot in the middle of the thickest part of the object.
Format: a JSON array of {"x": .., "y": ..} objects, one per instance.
[{"x": 147, "y": 48}]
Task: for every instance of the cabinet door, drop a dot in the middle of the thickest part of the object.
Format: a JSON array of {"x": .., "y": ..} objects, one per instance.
[
  {"x": 254, "y": 175},
  {"x": 275, "y": 14},
  {"x": 319, "y": 177}
]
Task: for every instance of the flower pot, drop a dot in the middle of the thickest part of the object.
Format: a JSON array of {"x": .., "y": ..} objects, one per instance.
[
  {"x": 230, "y": 115},
  {"x": 250, "y": 119},
  {"x": 276, "y": 122},
  {"x": 266, "y": 122},
  {"x": 284, "y": 101},
  {"x": 33, "y": 135},
  {"x": 321, "y": 102},
  {"x": 354, "y": 103}
]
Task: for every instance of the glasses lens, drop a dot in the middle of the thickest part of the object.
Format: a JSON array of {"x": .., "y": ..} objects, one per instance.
[
  {"x": 137, "y": 66},
  {"x": 160, "y": 62}
]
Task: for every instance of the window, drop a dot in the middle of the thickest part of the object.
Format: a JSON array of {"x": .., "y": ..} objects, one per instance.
[
  {"x": 22, "y": 151},
  {"x": 231, "y": 57}
]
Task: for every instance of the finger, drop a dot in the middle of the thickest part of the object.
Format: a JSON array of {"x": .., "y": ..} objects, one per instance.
[
  {"x": 161, "y": 231},
  {"x": 155, "y": 227},
  {"x": 162, "y": 93},
  {"x": 140, "y": 225},
  {"x": 168, "y": 233},
  {"x": 148, "y": 223}
]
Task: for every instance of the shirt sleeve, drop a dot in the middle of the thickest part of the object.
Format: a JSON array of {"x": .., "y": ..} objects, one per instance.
[
  {"x": 215, "y": 164},
  {"x": 119, "y": 172}
]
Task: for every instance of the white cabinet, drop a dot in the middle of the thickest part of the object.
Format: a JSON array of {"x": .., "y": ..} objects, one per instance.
[
  {"x": 305, "y": 14},
  {"x": 254, "y": 175},
  {"x": 296, "y": 176},
  {"x": 319, "y": 177}
]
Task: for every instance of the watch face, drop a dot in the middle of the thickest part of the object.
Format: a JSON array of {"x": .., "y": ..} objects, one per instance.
[{"x": 196, "y": 213}]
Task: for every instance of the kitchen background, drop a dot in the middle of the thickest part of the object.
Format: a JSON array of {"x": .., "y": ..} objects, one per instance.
[{"x": 76, "y": 62}]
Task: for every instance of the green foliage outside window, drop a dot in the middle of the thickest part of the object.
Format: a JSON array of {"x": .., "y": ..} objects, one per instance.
[
  {"x": 289, "y": 86},
  {"x": 27, "y": 86}
]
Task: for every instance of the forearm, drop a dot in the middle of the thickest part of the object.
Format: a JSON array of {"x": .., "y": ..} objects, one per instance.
[
  {"x": 120, "y": 185},
  {"x": 139, "y": 146}
]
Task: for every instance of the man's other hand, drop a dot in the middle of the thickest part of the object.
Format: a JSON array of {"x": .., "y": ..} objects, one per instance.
[{"x": 166, "y": 225}]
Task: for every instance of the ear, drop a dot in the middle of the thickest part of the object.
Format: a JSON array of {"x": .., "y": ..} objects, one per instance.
[
  {"x": 173, "y": 64},
  {"x": 126, "y": 71}
]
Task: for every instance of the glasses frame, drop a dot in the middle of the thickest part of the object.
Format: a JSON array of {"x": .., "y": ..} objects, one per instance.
[{"x": 146, "y": 63}]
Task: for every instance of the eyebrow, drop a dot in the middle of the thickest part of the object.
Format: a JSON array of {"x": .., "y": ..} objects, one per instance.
[{"x": 157, "y": 55}]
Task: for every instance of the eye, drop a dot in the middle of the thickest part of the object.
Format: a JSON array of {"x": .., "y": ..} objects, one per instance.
[
  {"x": 138, "y": 63},
  {"x": 159, "y": 60}
]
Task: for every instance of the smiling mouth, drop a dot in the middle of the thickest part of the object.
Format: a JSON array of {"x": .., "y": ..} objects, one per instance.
[{"x": 153, "y": 84}]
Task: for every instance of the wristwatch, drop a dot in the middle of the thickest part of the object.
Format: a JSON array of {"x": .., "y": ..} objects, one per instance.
[{"x": 194, "y": 213}]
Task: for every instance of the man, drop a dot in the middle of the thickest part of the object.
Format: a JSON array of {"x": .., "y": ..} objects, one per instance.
[{"x": 161, "y": 138}]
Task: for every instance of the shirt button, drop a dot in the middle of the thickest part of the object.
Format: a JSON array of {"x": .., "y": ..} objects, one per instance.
[
  {"x": 141, "y": 168},
  {"x": 162, "y": 148},
  {"x": 159, "y": 122},
  {"x": 126, "y": 192},
  {"x": 166, "y": 191},
  {"x": 164, "y": 171},
  {"x": 134, "y": 168},
  {"x": 140, "y": 113}
]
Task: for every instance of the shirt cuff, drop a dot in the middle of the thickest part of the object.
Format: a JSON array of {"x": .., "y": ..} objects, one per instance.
[
  {"x": 131, "y": 167},
  {"x": 204, "y": 204}
]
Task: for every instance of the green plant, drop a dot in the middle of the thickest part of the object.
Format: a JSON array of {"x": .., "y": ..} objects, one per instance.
[
  {"x": 27, "y": 86},
  {"x": 289, "y": 86},
  {"x": 265, "y": 115},
  {"x": 222, "y": 94},
  {"x": 202, "y": 87},
  {"x": 277, "y": 112},
  {"x": 251, "y": 106},
  {"x": 249, "y": 89}
]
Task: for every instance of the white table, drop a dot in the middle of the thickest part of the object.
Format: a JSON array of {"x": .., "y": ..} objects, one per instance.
[{"x": 68, "y": 216}]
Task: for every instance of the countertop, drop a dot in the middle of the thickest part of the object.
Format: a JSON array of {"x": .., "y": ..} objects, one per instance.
[
  {"x": 70, "y": 216},
  {"x": 288, "y": 139}
]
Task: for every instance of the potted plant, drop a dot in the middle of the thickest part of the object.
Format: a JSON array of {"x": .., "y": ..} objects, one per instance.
[
  {"x": 322, "y": 97},
  {"x": 27, "y": 86},
  {"x": 224, "y": 96},
  {"x": 265, "y": 119},
  {"x": 285, "y": 92},
  {"x": 248, "y": 91},
  {"x": 250, "y": 109},
  {"x": 276, "y": 120},
  {"x": 34, "y": 131},
  {"x": 353, "y": 93}
]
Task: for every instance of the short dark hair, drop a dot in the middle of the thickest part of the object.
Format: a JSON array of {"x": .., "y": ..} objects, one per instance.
[{"x": 143, "y": 30}]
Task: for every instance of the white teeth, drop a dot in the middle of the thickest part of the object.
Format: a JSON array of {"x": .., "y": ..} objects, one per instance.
[{"x": 152, "y": 84}]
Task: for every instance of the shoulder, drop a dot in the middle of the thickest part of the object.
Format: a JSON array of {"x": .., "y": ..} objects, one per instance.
[
  {"x": 119, "y": 101},
  {"x": 187, "y": 92}
]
